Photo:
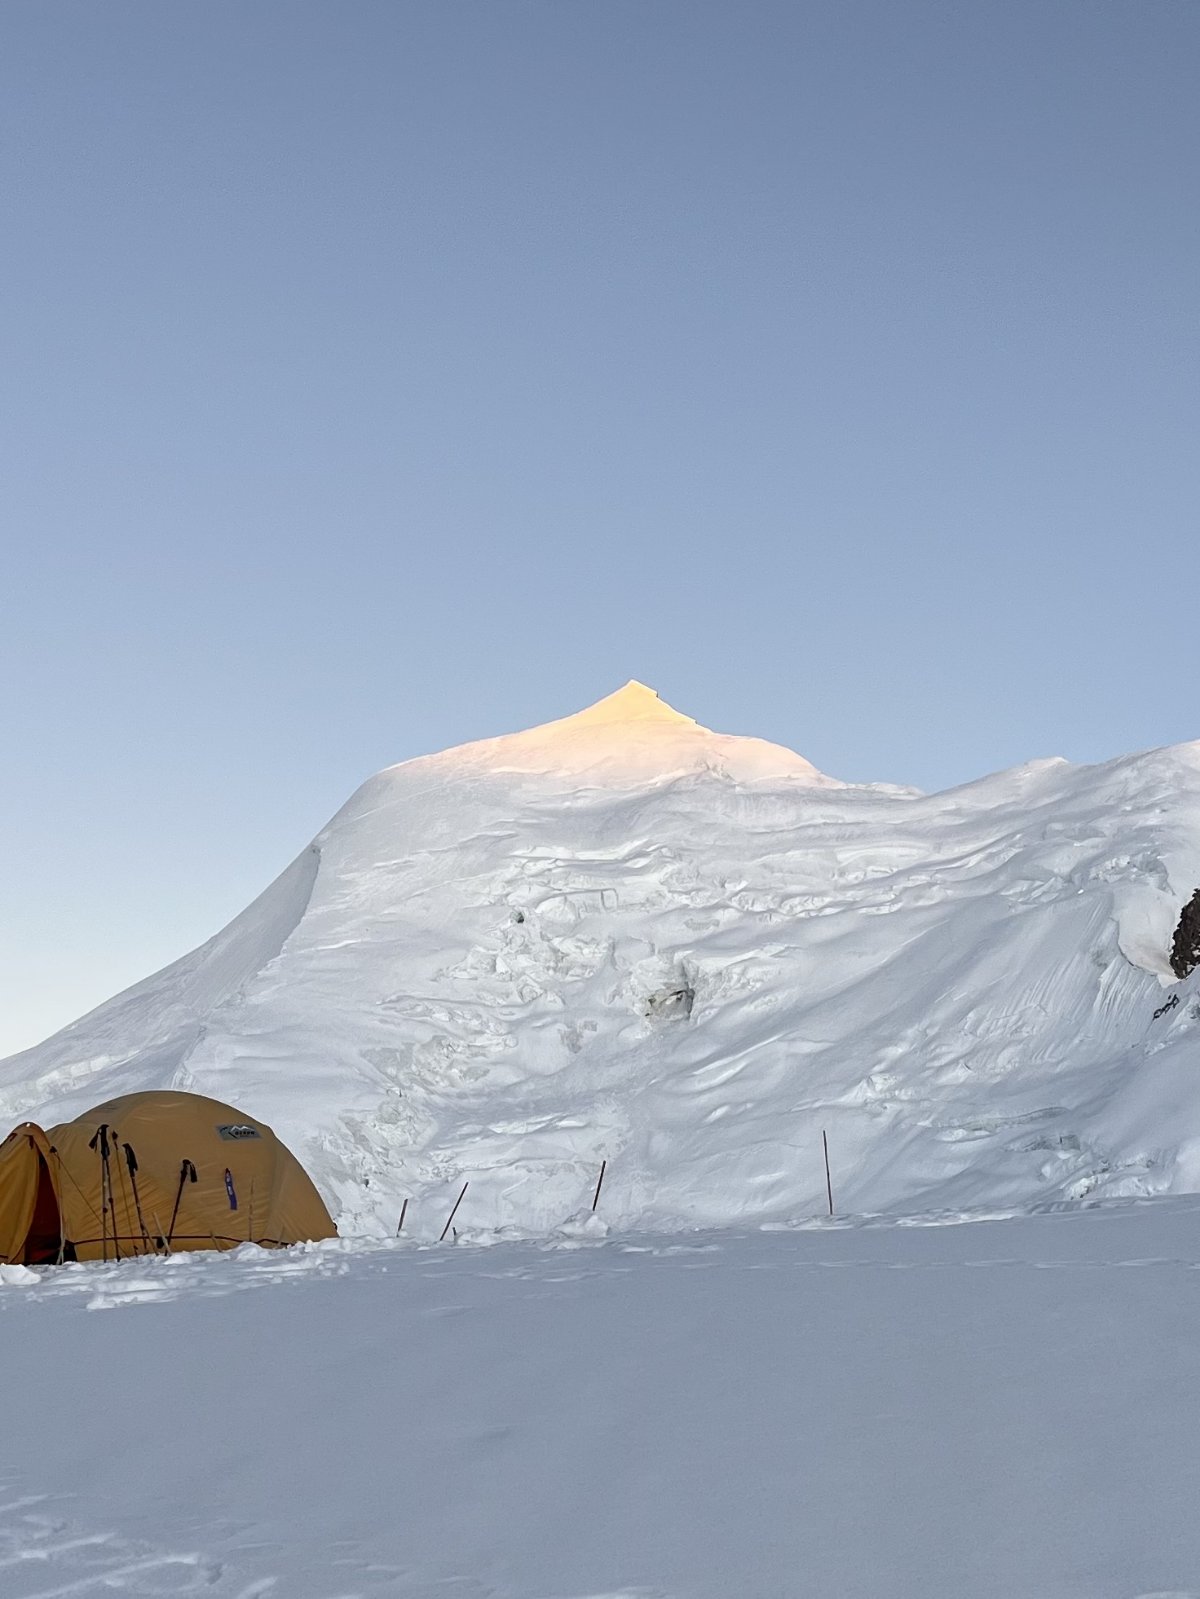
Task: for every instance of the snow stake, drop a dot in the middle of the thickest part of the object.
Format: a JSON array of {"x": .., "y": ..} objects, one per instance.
[
  {"x": 453, "y": 1213},
  {"x": 400, "y": 1223},
  {"x": 828, "y": 1179},
  {"x": 599, "y": 1184}
]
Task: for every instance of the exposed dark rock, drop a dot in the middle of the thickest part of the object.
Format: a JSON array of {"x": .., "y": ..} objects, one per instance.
[
  {"x": 1185, "y": 951},
  {"x": 673, "y": 1004}
]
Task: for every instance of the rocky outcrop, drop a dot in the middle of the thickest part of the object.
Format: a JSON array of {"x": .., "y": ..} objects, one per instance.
[{"x": 1185, "y": 951}]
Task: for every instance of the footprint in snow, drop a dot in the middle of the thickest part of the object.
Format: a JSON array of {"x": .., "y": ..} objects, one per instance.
[{"x": 44, "y": 1556}]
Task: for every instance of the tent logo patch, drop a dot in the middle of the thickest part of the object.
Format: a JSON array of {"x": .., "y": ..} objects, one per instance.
[{"x": 234, "y": 1131}]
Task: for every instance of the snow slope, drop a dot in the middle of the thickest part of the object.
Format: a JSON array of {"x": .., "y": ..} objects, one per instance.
[
  {"x": 481, "y": 971},
  {"x": 990, "y": 1411}
]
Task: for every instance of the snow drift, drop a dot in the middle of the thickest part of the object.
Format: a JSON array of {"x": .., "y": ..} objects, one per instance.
[{"x": 623, "y": 937}]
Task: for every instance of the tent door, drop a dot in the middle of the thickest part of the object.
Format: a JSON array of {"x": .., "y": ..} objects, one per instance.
[{"x": 44, "y": 1242}]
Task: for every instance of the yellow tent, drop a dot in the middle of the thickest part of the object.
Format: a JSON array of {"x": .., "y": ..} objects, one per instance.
[{"x": 150, "y": 1174}]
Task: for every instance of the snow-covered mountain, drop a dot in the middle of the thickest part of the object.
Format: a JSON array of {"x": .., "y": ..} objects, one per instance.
[{"x": 623, "y": 937}]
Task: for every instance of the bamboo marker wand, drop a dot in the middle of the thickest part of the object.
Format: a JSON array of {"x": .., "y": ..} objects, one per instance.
[
  {"x": 400, "y": 1223},
  {"x": 828, "y": 1179},
  {"x": 453, "y": 1213},
  {"x": 599, "y": 1184}
]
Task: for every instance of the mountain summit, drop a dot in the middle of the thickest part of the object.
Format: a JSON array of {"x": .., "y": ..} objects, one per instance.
[
  {"x": 622, "y": 937},
  {"x": 635, "y": 703},
  {"x": 634, "y": 736}
]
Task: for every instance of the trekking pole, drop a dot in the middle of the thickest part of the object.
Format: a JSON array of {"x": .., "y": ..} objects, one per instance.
[
  {"x": 599, "y": 1184},
  {"x": 109, "y": 1151},
  {"x": 99, "y": 1140},
  {"x": 127, "y": 1216},
  {"x": 454, "y": 1212},
  {"x": 403, "y": 1214},
  {"x": 131, "y": 1162},
  {"x": 828, "y": 1179},
  {"x": 160, "y": 1238},
  {"x": 187, "y": 1173}
]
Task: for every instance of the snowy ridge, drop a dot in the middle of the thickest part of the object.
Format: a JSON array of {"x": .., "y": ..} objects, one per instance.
[{"x": 623, "y": 937}]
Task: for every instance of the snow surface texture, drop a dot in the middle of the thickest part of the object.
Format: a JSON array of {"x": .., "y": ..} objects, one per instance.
[
  {"x": 623, "y": 937},
  {"x": 990, "y": 1411}
]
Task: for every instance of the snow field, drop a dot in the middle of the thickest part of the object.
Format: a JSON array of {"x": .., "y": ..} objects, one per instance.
[{"x": 999, "y": 1409}]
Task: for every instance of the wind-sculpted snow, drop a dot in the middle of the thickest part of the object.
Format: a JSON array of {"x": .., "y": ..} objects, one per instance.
[
  {"x": 164, "y": 1018},
  {"x": 623, "y": 938}
]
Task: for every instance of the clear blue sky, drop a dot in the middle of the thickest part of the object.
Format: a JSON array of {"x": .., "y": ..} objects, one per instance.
[{"x": 379, "y": 376}]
